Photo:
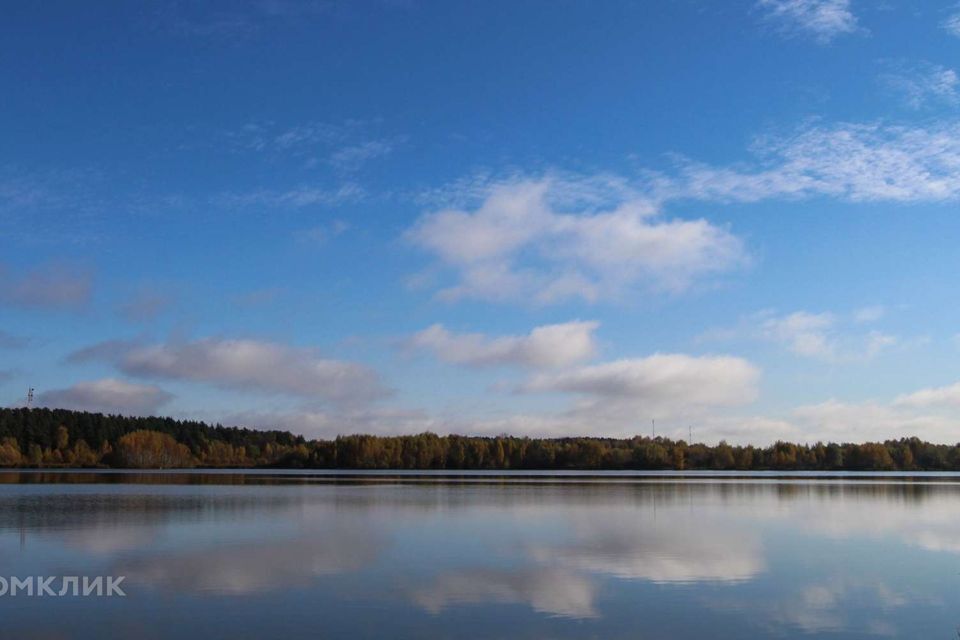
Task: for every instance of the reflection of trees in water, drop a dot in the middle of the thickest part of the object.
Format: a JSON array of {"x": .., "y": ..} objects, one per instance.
[
  {"x": 51, "y": 507},
  {"x": 52, "y": 510}
]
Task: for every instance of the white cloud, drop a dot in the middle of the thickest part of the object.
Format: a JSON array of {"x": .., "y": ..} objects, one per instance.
[
  {"x": 320, "y": 234},
  {"x": 243, "y": 364},
  {"x": 922, "y": 84},
  {"x": 952, "y": 24},
  {"x": 862, "y": 421},
  {"x": 804, "y": 333},
  {"x": 560, "y": 593},
  {"x": 298, "y": 139},
  {"x": 560, "y": 236},
  {"x": 823, "y": 20},
  {"x": 877, "y": 341},
  {"x": 108, "y": 395},
  {"x": 315, "y": 423},
  {"x": 659, "y": 380},
  {"x": 518, "y": 245},
  {"x": 866, "y": 315},
  {"x": 631, "y": 547},
  {"x": 304, "y": 135},
  {"x": 352, "y": 157},
  {"x": 553, "y": 345},
  {"x": 824, "y": 336},
  {"x": 948, "y": 396},
  {"x": 245, "y": 568},
  {"x": 305, "y": 195},
  {"x": 855, "y": 162},
  {"x": 613, "y": 407}
]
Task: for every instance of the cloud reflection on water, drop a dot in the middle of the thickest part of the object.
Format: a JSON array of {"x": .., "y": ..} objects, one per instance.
[{"x": 764, "y": 554}]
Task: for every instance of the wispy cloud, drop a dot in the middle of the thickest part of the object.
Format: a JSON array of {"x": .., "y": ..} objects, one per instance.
[
  {"x": 952, "y": 24},
  {"x": 922, "y": 84},
  {"x": 345, "y": 146},
  {"x": 872, "y": 313},
  {"x": 53, "y": 287},
  {"x": 294, "y": 198},
  {"x": 849, "y": 161},
  {"x": 146, "y": 304},
  {"x": 62, "y": 206},
  {"x": 270, "y": 137},
  {"x": 352, "y": 157},
  {"x": 322, "y": 233},
  {"x": 233, "y": 21},
  {"x": 825, "y": 336},
  {"x": 806, "y": 334},
  {"x": 823, "y": 20}
]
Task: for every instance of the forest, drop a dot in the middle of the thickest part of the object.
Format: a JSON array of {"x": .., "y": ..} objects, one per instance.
[{"x": 57, "y": 438}]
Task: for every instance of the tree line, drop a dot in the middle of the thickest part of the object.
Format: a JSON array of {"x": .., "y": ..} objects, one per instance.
[{"x": 52, "y": 438}]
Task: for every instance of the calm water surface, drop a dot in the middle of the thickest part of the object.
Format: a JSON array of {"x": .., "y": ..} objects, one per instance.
[{"x": 281, "y": 555}]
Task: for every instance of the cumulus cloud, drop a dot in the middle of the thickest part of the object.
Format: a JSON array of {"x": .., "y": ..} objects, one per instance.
[
  {"x": 245, "y": 365},
  {"x": 921, "y": 84},
  {"x": 615, "y": 398},
  {"x": 822, "y": 20},
  {"x": 560, "y": 236},
  {"x": 108, "y": 395},
  {"x": 563, "y": 236},
  {"x": 660, "y": 378},
  {"x": 605, "y": 400},
  {"x": 50, "y": 287},
  {"x": 518, "y": 244},
  {"x": 554, "y": 345}
]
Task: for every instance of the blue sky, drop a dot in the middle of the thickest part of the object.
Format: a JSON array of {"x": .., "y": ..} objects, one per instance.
[{"x": 536, "y": 218}]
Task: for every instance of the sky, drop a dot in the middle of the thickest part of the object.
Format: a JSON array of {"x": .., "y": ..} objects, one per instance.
[{"x": 735, "y": 220}]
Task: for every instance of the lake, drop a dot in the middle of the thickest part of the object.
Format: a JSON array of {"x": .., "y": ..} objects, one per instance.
[{"x": 540, "y": 555}]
